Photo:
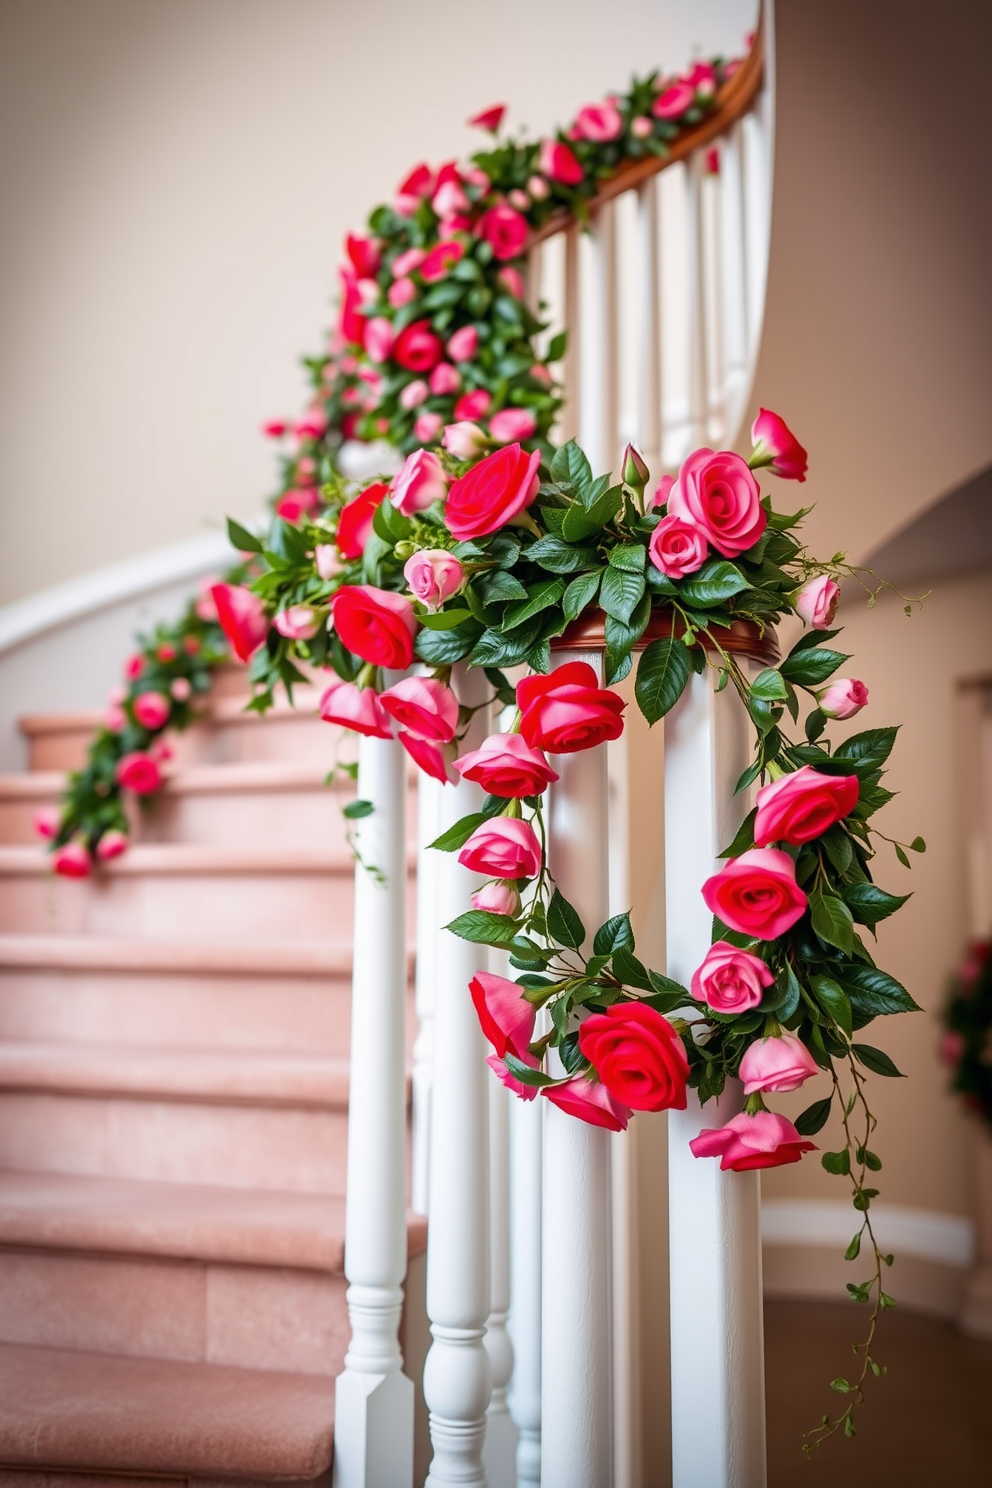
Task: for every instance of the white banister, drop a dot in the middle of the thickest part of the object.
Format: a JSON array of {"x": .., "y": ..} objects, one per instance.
[
  {"x": 457, "y": 1373},
  {"x": 571, "y": 373},
  {"x": 428, "y": 805},
  {"x": 576, "y": 1377},
  {"x": 648, "y": 327},
  {"x": 499, "y": 1455},
  {"x": 373, "y": 1416},
  {"x": 526, "y": 1186},
  {"x": 718, "y": 1417},
  {"x": 599, "y": 372},
  {"x": 696, "y": 301}
]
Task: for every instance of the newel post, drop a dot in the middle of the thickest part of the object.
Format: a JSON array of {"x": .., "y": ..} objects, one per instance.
[
  {"x": 373, "y": 1414},
  {"x": 718, "y": 1396}
]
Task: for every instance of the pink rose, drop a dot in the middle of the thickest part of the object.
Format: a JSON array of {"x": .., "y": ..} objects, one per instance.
[
  {"x": 306, "y": 471},
  {"x": 730, "y": 980},
  {"x": 511, "y": 279},
  {"x": 674, "y": 101},
  {"x": 72, "y": 860},
  {"x": 638, "y": 1056},
  {"x": 46, "y": 822},
  {"x": 465, "y": 440},
  {"x": 416, "y": 348},
  {"x": 497, "y": 898},
  {"x": 512, "y": 423},
  {"x": 414, "y": 394},
  {"x": 817, "y": 602},
  {"x": 151, "y": 709},
  {"x": 138, "y": 772},
  {"x": 518, "y": 199},
  {"x": 441, "y": 259},
  {"x": 405, "y": 263},
  {"x": 473, "y": 405},
  {"x": 757, "y": 894},
  {"x": 313, "y": 424},
  {"x": 463, "y": 344},
  {"x": 661, "y": 492},
  {"x": 507, "y": 1018},
  {"x": 499, "y": 1069},
  {"x": 401, "y": 292},
  {"x": 764, "y": 1140},
  {"x": 293, "y": 505},
  {"x": 492, "y": 492},
  {"x": 798, "y": 807},
  {"x": 357, "y": 708},
  {"x": 379, "y": 338},
  {"x": 423, "y": 706},
  {"x": 538, "y": 189},
  {"x": 489, "y": 118},
  {"x": 419, "y": 482},
  {"x": 504, "y": 765},
  {"x": 434, "y": 575},
  {"x": 205, "y": 607},
  {"x": 641, "y": 127},
  {"x": 702, "y": 77},
  {"x": 445, "y": 379},
  {"x": 777, "y": 1065},
  {"x": 355, "y": 523},
  {"x": 181, "y": 688},
  {"x": 111, "y": 845},
  {"x": 505, "y": 847},
  {"x": 375, "y": 624},
  {"x": 449, "y": 200},
  {"x": 777, "y": 447},
  {"x": 327, "y": 559},
  {"x": 242, "y": 618},
  {"x": 558, "y": 163},
  {"x": 589, "y": 1101},
  {"x": 134, "y": 666},
  {"x": 434, "y": 759},
  {"x": 275, "y": 428},
  {"x": 716, "y": 491},
  {"x": 413, "y": 189},
  {"x": 567, "y": 710},
  {"x": 298, "y": 623},
  {"x": 427, "y": 426},
  {"x": 677, "y": 548},
  {"x": 505, "y": 230},
  {"x": 844, "y": 697},
  {"x": 599, "y": 122}
]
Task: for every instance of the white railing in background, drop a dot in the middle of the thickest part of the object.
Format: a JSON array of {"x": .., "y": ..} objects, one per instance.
[{"x": 531, "y": 1274}]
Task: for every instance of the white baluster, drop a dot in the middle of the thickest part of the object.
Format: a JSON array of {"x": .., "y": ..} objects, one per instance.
[
  {"x": 696, "y": 300},
  {"x": 598, "y": 344},
  {"x": 576, "y": 1380},
  {"x": 526, "y": 1139},
  {"x": 373, "y": 1417},
  {"x": 648, "y": 328},
  {"x": 428, "y": 805},
  {"x": 499, "y": 1455},
  {"x": 718, "y": 1414},
  {"x": 457, "y": 1374},
  {"x": 571, "y": 367},
  {"x": 733, "y": 261}
]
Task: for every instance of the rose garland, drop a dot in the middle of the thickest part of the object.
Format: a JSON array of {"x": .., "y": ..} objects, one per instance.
[
  {"x": 967, "y": 1045},
  {"x": 488, "y": 561},
  {"x": 433, "y": 339}
]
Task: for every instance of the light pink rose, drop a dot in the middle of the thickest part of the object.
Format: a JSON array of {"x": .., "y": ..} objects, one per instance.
[
  {"x": 476, "y": 177},
  {"x": 505, "y": 847},
  {"x": 306, "y": 471},
  {"x": 757, "y": 894},
  {"x": 205, "y": 608},
  {"x": 803, "y": 805},
  {"x": 419, "y": 482},
  {"x": 540, "y": 373},
  {"x": 433, "y": 575},
  {"x": 504, "y": 765},
  {"x": 463, "y": 344},
  {"x": 445, "y": 379},
  {"x": 677, "y": 548},
  {"x": 111, "y": 845},
  {"x": 357, "y": 708},
  {"x": 599, "y": 122},
  {"x": 765, "y": 1140},
  {"x": 473, "y": 405},
  {"x": 776, "y": 446},
  {"x": 401, "y": 292},
  {"x": 434, "y": 759},
  {"x": 46, "y": 822},
  {"x": 298, "y": 623},
  {"x": 441, "y": 260},
  {"x": 465, "y": 440},
  {"x": 499, "y": 1069},
  {"x": 449, "y": 198},
  {"x": 497, "y": 898},
  {"x": 327, "y": 560},
  {"x": 730, "y": 980},
  {"x": 716, "y": 491},
  {"x": 589, "y": 1101},
  {"x": 405, "y": 263},
  {"x": 423, "y": 706},
  {"x": 414, "y": 394},
  {"x": 181, "y": 688},
  {"x": 518, "y": 199},
  {"x": 777, "y": 1065},
  {"x": 512, "y": 423},
  {"x": 427, "y": 426},
  {"x": 511, "y": 279},
  {"x": 538, "y": 189},
  {"x": 138, "y": 772},
  {"x": 817, "y": 602},
  {"x": 151, "y": 709},
  {"x": 72, "y": 860},
  {"x": 843, "y": 698},
  {"x": 507, "y": 1018},
  {"x": 641, "y": 127},
  {"x": 379, "y": 338}
]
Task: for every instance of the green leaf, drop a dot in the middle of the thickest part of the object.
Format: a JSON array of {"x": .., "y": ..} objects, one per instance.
[
  {"x": 580, "y": 593},
  {"x": 456, "y": 836},
  {"x": 662, "y": 675},
  {"x": 557, "y": 347},
  {"x": 614, "y": 933},
  {"x": 620, "y": 640},
  {"x": 832, "y": 921},
  {"x": 837, "y": 1163},
  {"x": 581, "y": 520},
  {"x": 868, "y": 751},
  {"x": 812, "y": 666},
  {"x": 445, "y": 619},
  {"x": 839, "y": 850},
  {"x": 355, "y": 810},
  {"x": 869, "y": 903},
  {"x": 390, "y": 523},
  {"x": 787, "y": 994},
  {"x": 564, "y": 924},
  {"x": 494, "y": 649},
  {"x": 875, "y": 993},
  {"x": 619, "y": 593},
  {"x": 241, "y": 538},
  {"x": 668, "y": 987},
  {"x": 628, "y": 557},
  {"x": 768, "y": 686},
  {"x": 442, "y": 647},
  {"x": 714, "y": 584},
  {"x": 629, "y": 970},
  {"x": 854, "y": 1249},
  {"x": 877, "y": 1061},
  {"x": 542, "y": 596},
  {"x": 814, "y": 1118},
  {"x": 494, "y": 587},
  {"x": 558, "y": 556},
  {"x": 484, "y": 927},
  {"x": 744, "y": 838},
  {"x": 524, "y": 1073},
  {"x": 918, "y": 845},
  {"x": 833, "y": 1000},
  {"x": 569, "y": 466}
]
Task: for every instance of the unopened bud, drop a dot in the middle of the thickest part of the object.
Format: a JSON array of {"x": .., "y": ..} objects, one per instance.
[{"x": 635, "y": 472}]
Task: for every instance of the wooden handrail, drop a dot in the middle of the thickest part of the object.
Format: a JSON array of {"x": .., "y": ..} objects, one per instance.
[{"x": 732, "y": 102}]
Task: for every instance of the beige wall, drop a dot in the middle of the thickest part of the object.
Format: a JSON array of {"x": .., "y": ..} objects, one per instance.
[{"x": 177, "y": 177}]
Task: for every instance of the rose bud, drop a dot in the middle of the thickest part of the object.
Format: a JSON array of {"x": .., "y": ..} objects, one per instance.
[
  {"x": 518, "y": 199},
  {"x": 512, "y": 423},
  {"x": 138, "y": 772},
  {"x": 151, "y": 709},
  {"x": 765, "y": 1140},
  {"x": 327, "y": 560},
  {"x": 777, "y": 447},
  {"x": 134, "y": 666},
  {"x": 798, "y": 807},
  {"x": 181, "y": 688},
  {"x": 634, "y": 473},
  {"x": 72, "y": 860},
  {"x": 641, "y": 127},
  {"x": 673, "y": 102},
  {"x": 638, "y": 1056},
  {"x": 589, "y": 1100},
  {"x": 357, "y": 708},
  {"x": 414, "y": 394},
  {"x": 757, "y": 894},
  {"x": 375, "y": 624},
  {"x": 463, "y": 344},
  {"x": 433, "y": 575},
  {"x": 599, "y": 122},
  {"x": 298, "y": 623},
  {"x": 489, "y": 118},
  {"x": 419, "y": 482},
  {"x": 499, "y": 1069},
  {"x": 275, "y": 428},
  {"x": 111, "y": 845},
  {"x": 504, "y": 765},
  {"x": 434, "y": 759},
  {"x": 567, "y": 710},
  {"x": 465, "y": 441},
  {"x": 405, "y": 263},
  {"x": 416, "y": 348},
  {"x": 507, "y": 1018},
  {"x": 379, "y": 338},
  {"x": 46, "y": 822},
  {"x": 777, "y": 1065},
  {"x": 505, "y": 847},
  {"x": 423, "y": 706},
  {"x": 730, "y": 980},
  {"x": 538, "y": 189},
  {"x": 401, "y": 292},
  {"x": 816, "y": 603},
  {"x": 497, "y": 898},
  {"x": 511, "y": 279},
  {"x": 444, "y": 255},
  {"x": 843, "y": 698}
]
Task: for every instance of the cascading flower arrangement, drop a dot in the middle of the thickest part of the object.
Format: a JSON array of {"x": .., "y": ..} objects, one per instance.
[
  {"x": 433, "y": 341},
  {"x": 489, "y": 562}
]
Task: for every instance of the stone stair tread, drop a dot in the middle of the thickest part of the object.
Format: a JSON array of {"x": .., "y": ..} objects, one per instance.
[
  {"x": 214, "y": 1076},
  {"x": 106, "y": 953},
  {"x": 103, "y": 1412},
  {"x": 198, "y": 779},
  {"x": 179, "y": 858}
]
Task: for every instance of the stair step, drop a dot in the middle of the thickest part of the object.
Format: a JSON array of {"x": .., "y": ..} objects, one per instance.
[{"x": 90, "y": 1412}]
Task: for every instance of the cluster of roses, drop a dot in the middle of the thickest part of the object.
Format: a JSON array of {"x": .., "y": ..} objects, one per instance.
[{"x": 966, "y": 1046}]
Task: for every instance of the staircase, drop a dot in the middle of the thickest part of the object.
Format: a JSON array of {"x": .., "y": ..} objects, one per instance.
[{"x": 173, "y": 1111}]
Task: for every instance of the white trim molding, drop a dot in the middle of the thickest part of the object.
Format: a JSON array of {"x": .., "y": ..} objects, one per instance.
[{"x": 924, "y": 1233}]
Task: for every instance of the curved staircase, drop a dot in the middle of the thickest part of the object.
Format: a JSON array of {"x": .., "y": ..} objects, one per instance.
[{"x": 173, "y": 1113}]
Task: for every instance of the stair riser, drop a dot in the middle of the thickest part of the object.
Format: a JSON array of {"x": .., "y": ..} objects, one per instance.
[
  {"x": 300, "y": 818},
  {"x": 174, "y": 1142},
  {"x": 299, "y": 737},
  {"x": 187, "y": 1311}
]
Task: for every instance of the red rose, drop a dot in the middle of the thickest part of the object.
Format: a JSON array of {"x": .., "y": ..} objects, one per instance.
[
  {"x": 638, "y": 1056},
  {"x": 376, "y": 625},
  {"x": 351, "y": 321},
  {"x": 798, "y": 807},
  {"x": 355, "y": 521},
  {"x": 757, "y": 894},
  {"x": 364, "y": 254},
  {"x": 417, "y": 348},
  {"x": 498, "y": 488},
  {"x": 765, "y": 1140},
  {"x": 505, "y": 230},
  {"x": 489, "y": 118},
  {"x": 567, "y": 710},
  {"x": 241, "y": 616},
  {"x": 559, "y": 164}
]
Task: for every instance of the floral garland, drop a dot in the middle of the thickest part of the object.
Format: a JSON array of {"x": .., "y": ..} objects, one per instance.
[
  {"x": 488, "y": 561},
  {"x": 967, "y": 1044},
  {"x": 433, "y": 339}
]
